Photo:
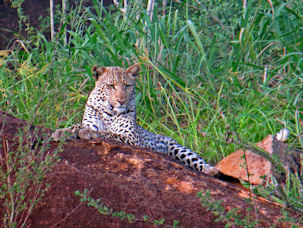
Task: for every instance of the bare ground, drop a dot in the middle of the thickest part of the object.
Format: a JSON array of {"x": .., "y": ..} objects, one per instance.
[{"x": 132, "y": 180}]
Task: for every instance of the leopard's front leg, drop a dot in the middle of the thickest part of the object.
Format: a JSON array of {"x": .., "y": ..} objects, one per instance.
[
  {"x": 86, "y": 133},
  {"x": 77, "y": 131},
  {"x": 67, "y": 133}
]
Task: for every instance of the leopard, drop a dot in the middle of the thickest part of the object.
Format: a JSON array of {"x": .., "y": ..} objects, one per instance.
[{"x": 110, "y": 113}]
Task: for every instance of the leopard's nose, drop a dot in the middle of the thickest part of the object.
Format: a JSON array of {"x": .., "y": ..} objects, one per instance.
[{"x": 121, "y": 102}]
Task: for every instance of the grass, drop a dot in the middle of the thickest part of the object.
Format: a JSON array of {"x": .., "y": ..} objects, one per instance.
[{"x": 214, "y": 68}]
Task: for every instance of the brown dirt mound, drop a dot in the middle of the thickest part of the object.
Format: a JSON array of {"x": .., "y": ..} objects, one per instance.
[{"x": 131, "y": 180}]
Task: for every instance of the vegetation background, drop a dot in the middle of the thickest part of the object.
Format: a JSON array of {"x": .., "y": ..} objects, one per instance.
[{"x": 208, "y": 68}]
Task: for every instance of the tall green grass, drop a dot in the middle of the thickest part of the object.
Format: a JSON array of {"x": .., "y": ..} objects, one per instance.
[{"x": 206, "y": 69}]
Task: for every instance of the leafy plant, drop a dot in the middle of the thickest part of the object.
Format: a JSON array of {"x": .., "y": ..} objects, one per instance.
[
  {"x": 21, "y": 175},
  {"x": 232, "y": 217},
  {"x": 104, "y": 210}
]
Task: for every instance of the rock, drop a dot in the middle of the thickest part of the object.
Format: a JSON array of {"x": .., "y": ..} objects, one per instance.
[
  {"x": 255, "y": 168},
  {"x": 132, "y": 180},
  {"x": 241, "y": 163}
]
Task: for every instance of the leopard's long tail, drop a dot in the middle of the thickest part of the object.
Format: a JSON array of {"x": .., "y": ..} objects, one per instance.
[{"x": 164, "y": 144}]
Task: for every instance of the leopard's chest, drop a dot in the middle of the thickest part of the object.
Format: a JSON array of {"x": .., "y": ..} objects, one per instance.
[{"x": 122, "y": 124}]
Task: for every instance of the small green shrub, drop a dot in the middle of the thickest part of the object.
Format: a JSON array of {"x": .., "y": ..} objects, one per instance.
[
  {"x": 21, "y": 176},
  {"x": 104, "y": 210}
]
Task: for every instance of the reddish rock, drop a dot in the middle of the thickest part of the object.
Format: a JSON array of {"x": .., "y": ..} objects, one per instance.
[{"x": 248, "y": 166}]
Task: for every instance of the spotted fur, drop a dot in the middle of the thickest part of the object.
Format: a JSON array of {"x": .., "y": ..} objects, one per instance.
[{"x": 110, "y": 112}]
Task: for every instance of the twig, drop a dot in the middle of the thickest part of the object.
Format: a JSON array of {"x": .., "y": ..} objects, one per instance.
[
  {"x": 29, "y": 211},
  {"x": 150, "y": 9},
  {"x": 45, "y": 87},
  {"x": 264, "y": 49},
  {"x": 64, "y": 20},
  {"x": 71, "y": 212},
  {"x": 51, "y": 10},
  {"x": 191, "y": 6},
  {"x": 9, "y": 183},
  {"x": 2, "y": 156},
  {"x": 124, "y": 9},
  {"x": 250, "y": 185},
  {"x": 212, "y": 16},
  {"x": 22, "y": 45},
  {"x": 164, "y": 3}
]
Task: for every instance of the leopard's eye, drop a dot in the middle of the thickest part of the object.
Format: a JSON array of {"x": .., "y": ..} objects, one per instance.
[
  {"x": 111, "y": 86},
  {"x": 128, "y": 86}
]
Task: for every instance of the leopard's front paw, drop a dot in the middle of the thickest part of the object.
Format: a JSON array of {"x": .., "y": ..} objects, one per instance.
[
  {"x": 66, "y": 134},
  {"x": 58, "y": 134},
  {"x": 86, "y": 133}
]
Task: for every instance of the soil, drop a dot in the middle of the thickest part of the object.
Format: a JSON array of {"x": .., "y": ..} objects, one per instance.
[{"x": 127, "y": 179}]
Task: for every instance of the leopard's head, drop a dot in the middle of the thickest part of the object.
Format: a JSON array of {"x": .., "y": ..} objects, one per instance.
[{"x": 115, "y": 88}]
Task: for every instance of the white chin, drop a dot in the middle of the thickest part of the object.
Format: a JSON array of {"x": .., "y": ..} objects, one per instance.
[{"x": 119, "y": 110}]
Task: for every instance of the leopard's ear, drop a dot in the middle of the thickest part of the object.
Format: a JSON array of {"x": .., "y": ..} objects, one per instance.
[
  {"x": 98, "y": 71},
  {"x": 133, "y": 70}
]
